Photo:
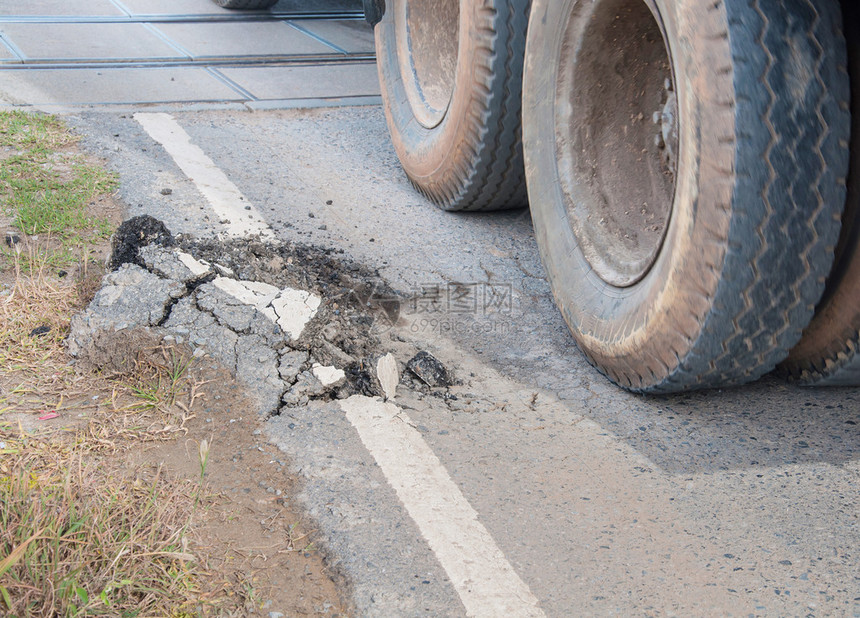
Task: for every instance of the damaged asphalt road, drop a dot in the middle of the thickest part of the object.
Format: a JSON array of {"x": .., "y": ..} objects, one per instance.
[
  {"x": 242, "y": 313},
  {"x": 254, "y": 306},
  {"x": 598, "y": 500}
]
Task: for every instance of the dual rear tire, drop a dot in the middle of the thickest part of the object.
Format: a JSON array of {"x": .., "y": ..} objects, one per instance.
[
  {"x": 686, "y": 168},
  {"x": 686, "y": 172},
  {"x": 829, "y": 352}
]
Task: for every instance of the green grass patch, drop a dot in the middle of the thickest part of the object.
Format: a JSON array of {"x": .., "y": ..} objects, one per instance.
[
  {"x": 81, "y": 532},
  {"x": 46, "y": 186}
]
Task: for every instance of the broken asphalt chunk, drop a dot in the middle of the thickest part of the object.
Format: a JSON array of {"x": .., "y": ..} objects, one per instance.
[
  {"x": 294, "y": 309},
  {"x": 388, "y": 375},
  {"x": 175, "y": 264},
  {"x": 429, "y": 369},
  {"x": 135, "y": 233}
]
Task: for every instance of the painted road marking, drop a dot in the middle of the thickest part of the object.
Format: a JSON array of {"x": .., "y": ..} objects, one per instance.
[
  {"x": 242, "y": 218},
  {"x": 289, "y": 308},
  {"x": 479, "y": 571}
]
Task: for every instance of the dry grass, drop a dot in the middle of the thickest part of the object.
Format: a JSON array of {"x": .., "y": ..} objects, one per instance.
[
  {"x": 81, "y": 535},
  {"x": 78, "y": 540},
  {"x": 78, "y": 535}
]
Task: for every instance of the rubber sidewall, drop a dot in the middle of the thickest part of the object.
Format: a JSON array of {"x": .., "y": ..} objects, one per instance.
[
  {"x": 444, "y": 160},
  {"x": 660, "y": 316}
]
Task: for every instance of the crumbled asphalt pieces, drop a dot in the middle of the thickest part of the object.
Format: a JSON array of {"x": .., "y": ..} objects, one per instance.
[
  {"x": 429, "y": 369},
  {"x": 135, "y": 233},
  {"x": 294, "y": 323}
]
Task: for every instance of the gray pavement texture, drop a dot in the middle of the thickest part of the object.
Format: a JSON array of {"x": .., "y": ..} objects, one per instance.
[
  {"x": 742, "y": 501},
  {"x": 166, "y": 299}
]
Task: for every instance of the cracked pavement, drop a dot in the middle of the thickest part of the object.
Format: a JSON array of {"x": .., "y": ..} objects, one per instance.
[{"x": 742, "y": 500}]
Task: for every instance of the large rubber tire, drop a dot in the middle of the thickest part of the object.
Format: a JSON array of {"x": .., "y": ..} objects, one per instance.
[
  {"x": 451, "y": 76},
  {"x": 245, "y": 5},
  {"x": 829, "y": 352},
  {"x": 743, "y": 238}
]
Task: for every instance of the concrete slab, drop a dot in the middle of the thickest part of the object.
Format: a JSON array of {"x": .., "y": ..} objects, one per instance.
[
  {"x": 171, "y": 7},
  {"x": 88, "y": 41},
  {"x": 207, "y": 7},
  {"x": 351, "y": 35},
  {"x": 254, "y": 38},
  {"x": 307, "y": 82},
  {"x": 6, "y": 54},
  {"x": 54, "y": 8},
  {"x": 94, "y": 86}
]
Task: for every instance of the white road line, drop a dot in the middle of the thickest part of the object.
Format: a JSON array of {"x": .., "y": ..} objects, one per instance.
[
  {"x": 479, "y": 571},
  {"x": 482, "y": 576},
  {"x": 224, "y": 197}
]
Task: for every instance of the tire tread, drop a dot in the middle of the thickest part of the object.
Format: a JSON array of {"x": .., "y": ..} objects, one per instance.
[
  {"x": 767, "y": 295},
  {"x": 488, "y": 172}
]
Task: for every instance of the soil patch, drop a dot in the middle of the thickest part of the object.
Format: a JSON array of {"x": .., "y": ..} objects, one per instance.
[{"x": 262, "y": 557}]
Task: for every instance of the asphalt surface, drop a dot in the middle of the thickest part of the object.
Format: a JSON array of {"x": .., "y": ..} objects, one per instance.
[{"x": 742, "y": 501}]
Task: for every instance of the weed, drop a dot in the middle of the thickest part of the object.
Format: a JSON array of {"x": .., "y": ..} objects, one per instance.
[
  {"x": 46, "y": 187},
  {"x": 76, "y": 540},
  {"x": 159, "y": 377},
  {"x": 203, "y": 457}
]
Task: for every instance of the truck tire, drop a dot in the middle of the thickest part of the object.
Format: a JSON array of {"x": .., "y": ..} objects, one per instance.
[
  {"x": 829, "y": 351},
  {"x": 686, "y": 166},
  {"x": 245, "y": 5},
  {"x": 450, "y": 72}
]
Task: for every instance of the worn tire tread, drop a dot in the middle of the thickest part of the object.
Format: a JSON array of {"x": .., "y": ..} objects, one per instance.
[
  {"x": 829, "y": 352},
  {"x": 768, "y": 293},
  {"x": 488, "y": 172}
]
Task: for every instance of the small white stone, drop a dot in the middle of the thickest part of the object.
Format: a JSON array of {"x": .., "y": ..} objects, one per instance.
[
  {"x": 327, "y": 375},
  {"x": 388, "y": 375}
]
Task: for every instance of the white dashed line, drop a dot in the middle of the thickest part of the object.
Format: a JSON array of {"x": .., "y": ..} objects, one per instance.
[
  {"x": 238, "y": 215},
  {"x": 479, "y": 571}
]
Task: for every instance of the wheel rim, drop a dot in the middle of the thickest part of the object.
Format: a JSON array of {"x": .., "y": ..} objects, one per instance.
[
  {"x": 427, "y": 34},
  {"x": 617, "y": 136}
]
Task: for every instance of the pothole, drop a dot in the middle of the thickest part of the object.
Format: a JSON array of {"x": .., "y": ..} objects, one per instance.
[{"x": 294, "y": 323}]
